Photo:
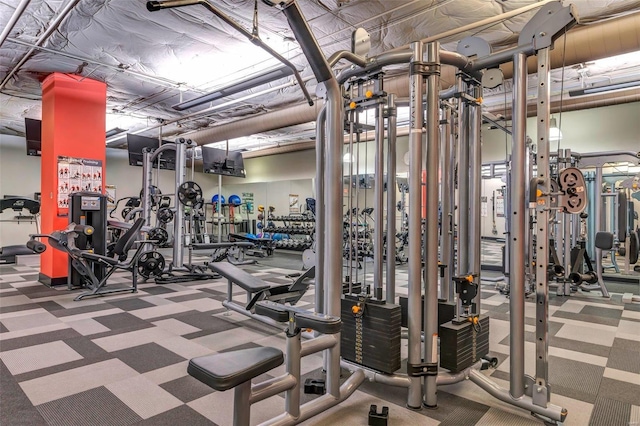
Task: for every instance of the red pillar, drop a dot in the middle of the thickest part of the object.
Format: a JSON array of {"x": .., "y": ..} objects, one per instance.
[{"x": 73, "y": 125}]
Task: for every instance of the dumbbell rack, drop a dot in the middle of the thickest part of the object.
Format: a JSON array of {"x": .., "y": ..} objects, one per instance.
[{"x": 293, "y": 225}]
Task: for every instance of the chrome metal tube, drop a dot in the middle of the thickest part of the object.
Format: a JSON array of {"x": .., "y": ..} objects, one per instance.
[
  {"x": 444, "y": 379},
  {"x": 241, "y": 395},
  {"x": 317, "y": 344},
  {"x": 292, "y": 360},
  {"x": 147, "y": 167},
  {"x": 552, "y": 412},
  {"x": 463, "y": 187},
  {"x": 432, "y": 229},
  {"x": 320, "y": 211},
  {"x": 274, "y": 386},
  {"x": 475, "y": 193},
  {"x": 518, "y": 228},
  {"x": 397, "y": 380},
  {"x": 542, "y": 224},
  {"x": 416, "y": 89},
  {"x": 349, "y": 56},
  {"x": 446, "y": 228},
  {"x": 17, "y": 13},
  {"x": 390, "y": 273},
  {"x": 378, "y": 201},
  {"x": 178, "y": 219}
]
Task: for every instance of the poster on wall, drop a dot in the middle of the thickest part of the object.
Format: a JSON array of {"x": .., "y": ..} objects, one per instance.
[
  {"x": 76, "y": 175},
  {"x": 247, "y": 200},
  {"x": 499, "y": 206},
  {"x": 294, "y": 204},
  {"x": 483, "y": 210},
  {"x": 110, "y": 190}
]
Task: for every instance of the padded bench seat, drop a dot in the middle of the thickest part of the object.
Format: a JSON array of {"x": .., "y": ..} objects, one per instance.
[
  {"x": 227, "y": 370},
  {"x": 214, "y": 246},
  {"x": 237, "y": 276}
]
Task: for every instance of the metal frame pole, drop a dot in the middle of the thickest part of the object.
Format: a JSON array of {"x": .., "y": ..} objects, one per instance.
[
  {"x": 416, "y": 88},
  {"x": 475, "y": 185},
  {"x": 542, "y": 235},
  {"x": 463, "y": 188},
  {"x": 446, "y": 228},
  {"x": 178, "y": 243},
  {"x": 518, "y": 226},
  {"x": 432, "y": 229},
  {"x": 391, "y": 199},
  {"x": 378, "y": 200},
  {"x": 320, "y": 211},
  {"x": 146, "y": 185}
]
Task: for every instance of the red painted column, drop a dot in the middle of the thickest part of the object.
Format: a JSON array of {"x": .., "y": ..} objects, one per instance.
[{"x": 73, "y": 125}]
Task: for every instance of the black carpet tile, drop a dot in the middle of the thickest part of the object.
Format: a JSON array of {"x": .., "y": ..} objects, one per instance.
[
  {"x": 147, "y": 357},
  {"x": 15, "y": 407}
]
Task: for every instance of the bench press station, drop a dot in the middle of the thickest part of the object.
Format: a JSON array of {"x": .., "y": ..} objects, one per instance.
[
  {"x": 258, "y": 289},
  {"x": 235, "y": 369}
]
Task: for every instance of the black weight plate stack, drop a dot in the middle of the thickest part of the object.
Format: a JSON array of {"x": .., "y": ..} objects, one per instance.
[
  {"x": 461, "y": 346},
  {"x": 373, "y": 339},
  {"x": 446, "y": 312}
]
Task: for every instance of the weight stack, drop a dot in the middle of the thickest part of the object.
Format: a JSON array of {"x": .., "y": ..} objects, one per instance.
[
  {"x": 446, "y": 311},
  {"x": 461, "y": 346},
  {"x": 373, "y": 338}
]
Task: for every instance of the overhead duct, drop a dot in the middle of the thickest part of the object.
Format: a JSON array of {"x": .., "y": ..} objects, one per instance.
[{"x": 587, "y": 43}]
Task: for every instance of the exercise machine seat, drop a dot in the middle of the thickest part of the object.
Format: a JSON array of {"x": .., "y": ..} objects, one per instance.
[
  {"x": 236, "y": 275},
  {"x": 604, "y": 240},
  {"x": 223, "y": 371}
]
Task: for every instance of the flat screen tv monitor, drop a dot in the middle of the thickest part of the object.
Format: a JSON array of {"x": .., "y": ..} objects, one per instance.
[
  {"x": 220, "y": 162},
  {"x": 33, "y": 130},
  {"x": 135, "y": 145}
]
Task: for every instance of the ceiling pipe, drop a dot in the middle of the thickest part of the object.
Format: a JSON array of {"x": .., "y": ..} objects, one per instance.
[
  {"x": 44, "y": 37},
  {"x": 13, "y": 20}
]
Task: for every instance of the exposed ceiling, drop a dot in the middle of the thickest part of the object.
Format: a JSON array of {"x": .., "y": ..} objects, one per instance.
[{"x": 151, "y": 61}]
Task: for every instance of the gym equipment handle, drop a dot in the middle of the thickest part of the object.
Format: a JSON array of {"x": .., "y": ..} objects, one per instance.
[
  {"x": 83, "y": 229},
  {"x": 36, "y": 246},
  {"x": 303, "y": 318}
]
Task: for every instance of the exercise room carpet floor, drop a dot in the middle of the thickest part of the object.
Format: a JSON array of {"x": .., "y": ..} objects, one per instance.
[{"x": 121, "y": 359}]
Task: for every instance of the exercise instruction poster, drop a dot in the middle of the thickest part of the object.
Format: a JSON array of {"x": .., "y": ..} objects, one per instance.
[{"x": 77, "y": 175}]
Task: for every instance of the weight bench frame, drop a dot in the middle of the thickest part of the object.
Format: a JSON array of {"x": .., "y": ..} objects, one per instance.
[{"x": 257, "y": 289}]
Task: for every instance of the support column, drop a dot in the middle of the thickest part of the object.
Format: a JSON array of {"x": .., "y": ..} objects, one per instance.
[
  {"x": 518, "y": 215},
  {"x": 446, "y": 229},
  {"x": 431, "y": 240},
  {"x": 73, "y": 123},
  {"x": 391, "y": 199},
  {"x": 416, "y": 89},
  {"x": 378, "y": 200},
  {"x": 475, "y": 185},
  {"x": 320, "y": 229}
]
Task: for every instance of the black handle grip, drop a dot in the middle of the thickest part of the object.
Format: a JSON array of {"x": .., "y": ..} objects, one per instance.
[
  {"x": 272, "y": 310},
  {"x": 36, "y": 246},
  {"x": 317, "y": 322},
  {"x": 84, "y": 229}
]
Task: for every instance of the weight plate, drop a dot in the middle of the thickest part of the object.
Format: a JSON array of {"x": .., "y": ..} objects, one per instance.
[
  {"x": 190, "y": 194},
  {"x": 151, "y": 263},
  {"x": 160, "y": 235},
  {"x": 155, "y": 195},
  {"x": 165, "y": 215}
]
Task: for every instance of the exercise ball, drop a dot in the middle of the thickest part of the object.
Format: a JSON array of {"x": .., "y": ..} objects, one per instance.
[
  {"x": 214, "y": 199},
  {"x": 235, "y": 200}
]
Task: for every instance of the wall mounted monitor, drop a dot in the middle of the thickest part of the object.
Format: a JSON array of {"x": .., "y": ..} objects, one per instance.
[
  {"x": 135, "y": 145},
  {"x": 220, "y": 162},
  {"x": 33, "y": 130}
]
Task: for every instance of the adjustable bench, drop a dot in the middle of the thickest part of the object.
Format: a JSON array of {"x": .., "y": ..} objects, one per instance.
[
  {"x": 258, "y": 289},
  {"x": 233, "y": 252},
  {"x": 236, "y": 369}
]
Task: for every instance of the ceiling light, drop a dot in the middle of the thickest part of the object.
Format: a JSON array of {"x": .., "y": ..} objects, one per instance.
[
  {"x": 347, "y": 158},
  {"x": 606, "y": 88},
  {"x": 114, "y": 131},
  {"x": 554, "y": 131},
  {"x": 248, "y": 83}
]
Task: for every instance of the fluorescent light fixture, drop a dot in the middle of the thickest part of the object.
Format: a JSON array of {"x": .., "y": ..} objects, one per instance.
[
  {"x": 115, "y": 131},
  {"x": 554, "y": 132},
  {"x": 607, "y": 88},
  {"x": 248, "y": 83},
  {"x": 347, "y": 158}
]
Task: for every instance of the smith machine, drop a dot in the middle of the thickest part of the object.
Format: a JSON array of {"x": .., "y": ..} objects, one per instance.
[{"x": 463, "y": 114}]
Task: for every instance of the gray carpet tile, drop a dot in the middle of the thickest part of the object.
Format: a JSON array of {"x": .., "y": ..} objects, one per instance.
[
  {"x": 17, "y": 308},
  {"x": 205, "y": 322},
  {"x": 609, "y": 412},
  {"x": 596, "y": 319},
  {"x": 36, "y": 339},
  {"x": 576, "y": 345},
  {"x": 81, "y": 309},
  {"x": 631, "y": 345},
  {"x": 187, "y": 297},
  {"x": 632, "y": 307},
  {"x": 625, "y": 360},
  {"x": 575, "y": 379},
  {"x": 182, "y": 415},
  {"x": 15, "y": 407},
  {"x": 620, "y": 391},
  {"x": 121, "y": 321},
  {"x": 131, "y": 304},
  {"x": 51, "y": 306},
  {"x": 469, "y": 414},
  {"x": 94, "y": 407},
  {"x": 158, "y": 290},
  {"x": 3, "y": 329},
  {"x": 150, "y": 356},
  {"x": 601, "y": 312},
  {"x": 187, "y": 388},
  {"x": 62, "y": 367}
]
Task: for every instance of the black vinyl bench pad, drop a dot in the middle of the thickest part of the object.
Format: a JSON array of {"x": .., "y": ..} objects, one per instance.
[
  {"x": 227, "y": 370},
  {"x": 213, "y": 246},
  {"x": 236, "y": 275},
  {"x": 303, "y": 318}
]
